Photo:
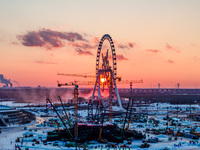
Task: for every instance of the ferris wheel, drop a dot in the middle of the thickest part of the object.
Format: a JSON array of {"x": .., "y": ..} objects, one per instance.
[
  {"x": 106, "y": 74},
  {"x": 107, "y": 37}
]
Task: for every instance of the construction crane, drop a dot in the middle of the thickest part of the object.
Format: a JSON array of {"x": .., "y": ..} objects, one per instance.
[
  {"x": 76, "y": 106},
  {"x": 90, "y": 104},
  {"x": 48, "y": 100},
  {"x": 77, "y": 75},
  {"x": 82, "y": 75},
  {"x": 76, "y": 83},
  {"x": 16, "y": 83},
  {"x": 65, "y": 111},
  {"x": 129, "y": 110}
]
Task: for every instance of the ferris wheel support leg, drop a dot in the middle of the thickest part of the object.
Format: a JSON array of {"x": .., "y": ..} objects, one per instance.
[
  {"x": 94, "y": 91},
  {"x": 117, "y": 93},
  {"x": 99, "y": 92},
  {"x": 118, "y": 97}
]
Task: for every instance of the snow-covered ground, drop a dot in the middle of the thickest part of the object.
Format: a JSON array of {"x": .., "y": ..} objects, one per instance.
[{"x": 9, "y": 134}]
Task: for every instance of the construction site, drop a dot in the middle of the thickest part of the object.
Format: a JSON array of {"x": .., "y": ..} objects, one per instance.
[{"x": 107, "y": 120}]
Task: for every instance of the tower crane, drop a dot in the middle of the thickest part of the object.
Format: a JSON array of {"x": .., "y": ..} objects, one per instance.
[
  {"x": 76, "y": 106},
  {"x": 82, "y": 75},
  {"x": 76, "y": 75},
  {"x": 90, "y": 104}
]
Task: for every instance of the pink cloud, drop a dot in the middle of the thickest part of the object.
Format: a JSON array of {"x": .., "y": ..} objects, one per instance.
[
  {"x": 83, "y": 52},
  {"x": 132, "y": 45},
  {"x": 171, "y": 48},
  {"x": 123, "y": 46},
  {"x": 95, "y": 40},
  {"x": 83, "y": 45},
  {"x": 121, "y": 57},
  {"x": 195, "y": 58},
  {"x": 194, "y": 45},
  {"x": 126, "y": 45},
  {"x": 43, "y": 62},
  {"x": 52, "y": 55},
  {"x": 170, "y": 61},
  {"x": 48, "y": 38},
  {"x": 14, "y": 43},
  {"x": 153, "y": 50}
]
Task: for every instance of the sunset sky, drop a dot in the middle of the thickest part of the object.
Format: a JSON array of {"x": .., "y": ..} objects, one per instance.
[{"x": 155, "y": 40}]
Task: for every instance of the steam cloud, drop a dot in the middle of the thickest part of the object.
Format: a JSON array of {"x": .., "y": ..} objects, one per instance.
[{"x": 5, "y": 81}]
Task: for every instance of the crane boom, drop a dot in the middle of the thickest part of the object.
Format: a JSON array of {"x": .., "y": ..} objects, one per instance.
[
  {"x": 65, "y": 111},
  {"x": 93, "y": 82},
  {"x": 59, "y": 116},
  {"x": 76, "y": 75}
]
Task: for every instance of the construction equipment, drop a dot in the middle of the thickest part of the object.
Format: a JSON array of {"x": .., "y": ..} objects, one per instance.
[
  {"x": 59, "y": 116},
  {"x": 76, "y": 83},
  {"x": 65, "y": 111},
  {"x": 145, "y": 145},
  {"x": 101, "y": 128},
  {"x": 76, "y": 75},
  {"x": 76, "y": 106},
  {"x": 131, "y": 108},
  {"x": 122, "y": 132},
  {"x": 128, "y": 111},
  {"x": 57, "y": 124}
]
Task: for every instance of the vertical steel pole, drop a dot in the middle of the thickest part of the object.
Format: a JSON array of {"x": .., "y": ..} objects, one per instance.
[{"x": 76, "y": 113}]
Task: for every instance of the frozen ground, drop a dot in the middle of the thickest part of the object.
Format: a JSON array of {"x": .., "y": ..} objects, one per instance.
[{"x": 9, "y": 134}]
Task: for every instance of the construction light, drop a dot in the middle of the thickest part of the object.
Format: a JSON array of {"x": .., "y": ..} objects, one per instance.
[{"x": 103, "y": 80}]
